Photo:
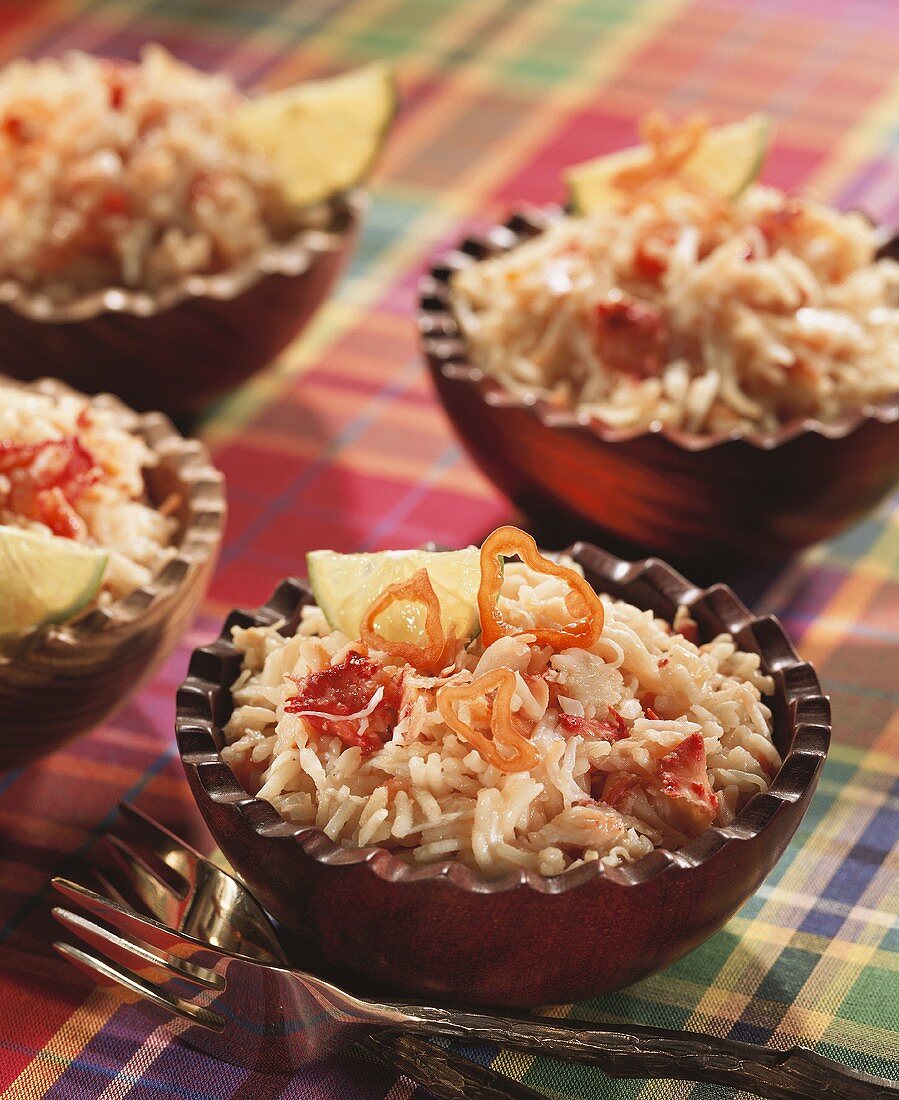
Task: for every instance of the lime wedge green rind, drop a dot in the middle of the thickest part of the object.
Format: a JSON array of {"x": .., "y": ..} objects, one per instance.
[
  {"x": 45, "y": 579},
  {"x": 762, "y": 147},
  {"x": 732, "y": 156},
  {"x": 345, "y": 586}
]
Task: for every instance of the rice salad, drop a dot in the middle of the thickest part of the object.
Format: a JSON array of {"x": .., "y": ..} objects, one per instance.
[
  {"x": 534, "y": 745},
  {"x": 119, "y": 174},
  {"x": 72, "y": 469},
  {"x": 700, "y": 312}
]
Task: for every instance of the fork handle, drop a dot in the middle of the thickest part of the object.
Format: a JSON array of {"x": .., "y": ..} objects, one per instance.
[
  {"x": 446, "y": 1076},
  {"x": 796, "y": 1074}
]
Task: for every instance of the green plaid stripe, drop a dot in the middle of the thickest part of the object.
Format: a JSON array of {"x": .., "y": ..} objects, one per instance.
[{"x": 812, "y": 959}]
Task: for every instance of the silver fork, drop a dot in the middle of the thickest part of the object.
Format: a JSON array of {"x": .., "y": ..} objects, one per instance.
[
  {"x": 240, "y": 1006},
  {"x": 149, "y": 866}
]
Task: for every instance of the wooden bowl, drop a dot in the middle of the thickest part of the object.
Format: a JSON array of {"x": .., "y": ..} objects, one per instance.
[
  {"x": 444, "y": 930},
  {"x": 713, "y": 501},
  {"x": 191, "y": 342},
  {"x": 63, "y": 680}
]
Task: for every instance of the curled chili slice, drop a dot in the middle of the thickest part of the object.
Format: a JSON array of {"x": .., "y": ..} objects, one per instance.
[
  {"x": 417, "y": 589},
  {"x": 582, "y": 602},
  {"x": 671, "y": 146},
  {"x": 520, "y": 755}
]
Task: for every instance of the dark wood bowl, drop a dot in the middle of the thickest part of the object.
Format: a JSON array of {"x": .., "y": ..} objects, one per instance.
[
  {"x": 196, "y": 340},
  {"x": 713, "y": 501},
  {"x": 64, "y": 680},
  {"x": 524, "y": 939}
]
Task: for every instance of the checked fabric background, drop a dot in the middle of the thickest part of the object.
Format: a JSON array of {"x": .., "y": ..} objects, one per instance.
[{"x": 342, "y": 445}]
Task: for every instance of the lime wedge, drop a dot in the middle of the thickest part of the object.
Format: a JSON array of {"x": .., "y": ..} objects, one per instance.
[
  {"x": 44, "y": 580},
  {"x": 726, "y": 162},
  {"x": 322, "y": 135},
  {"x": 345, "y": 586}
]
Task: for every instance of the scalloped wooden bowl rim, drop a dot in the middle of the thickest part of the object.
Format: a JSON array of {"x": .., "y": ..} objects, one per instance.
[
  {"x": 292, "y": 257},
  {"x": 808, "y": 735},
  {"x": 201, "y": 534},
  {"x": 442, "y": 339}
]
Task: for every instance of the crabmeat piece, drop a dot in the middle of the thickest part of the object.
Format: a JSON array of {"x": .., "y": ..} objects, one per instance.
[
  {"x": 619, "y": 790},
  {"x": 613, "y": 728},
  {"x": 682, "y": 777}
]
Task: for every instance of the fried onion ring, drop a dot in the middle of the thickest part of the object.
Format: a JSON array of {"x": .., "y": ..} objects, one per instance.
[
  {"x": 587, "y": 620},
  {"x": 521, "y": 754},
  {"x": 417, "y": 589}
]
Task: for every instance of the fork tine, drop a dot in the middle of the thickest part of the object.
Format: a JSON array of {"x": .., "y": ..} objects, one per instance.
[
  {"x": 125, "y": 951},
  {"x": 135, "y": 848},
  {"x": 124, "y": 920},
  {"x": 167, "y": 848},
  {"x": 251, "y": 935},
  {"x": 99, "y": 968},
  {"x": 158, "y": 896},
  {"x": 111, "y": 886},
  {"x": 254, "y": 936},
  {"x": 108, "y": 882}
]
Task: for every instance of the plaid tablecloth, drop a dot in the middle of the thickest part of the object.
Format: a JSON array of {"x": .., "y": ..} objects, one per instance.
[{"x": 342, "y": 445}]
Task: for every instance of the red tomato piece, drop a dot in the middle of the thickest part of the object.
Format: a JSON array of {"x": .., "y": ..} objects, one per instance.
[
  {"x": 779, "y": 225},
  {"x": 47, "y": 480},
  {"x": 116, "y": 201},
  {"x": 649, "y": 264},
  {"x": 688, "y": 629},
  {"x": 651, "y": 254},
  {"x": 343, "y": 690},
  {"x": 116, "y": 75},
  {"x": 52, "y": 509},
  {"x": 631, "y": 336},
  {"x": 14, "y": 128}
]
